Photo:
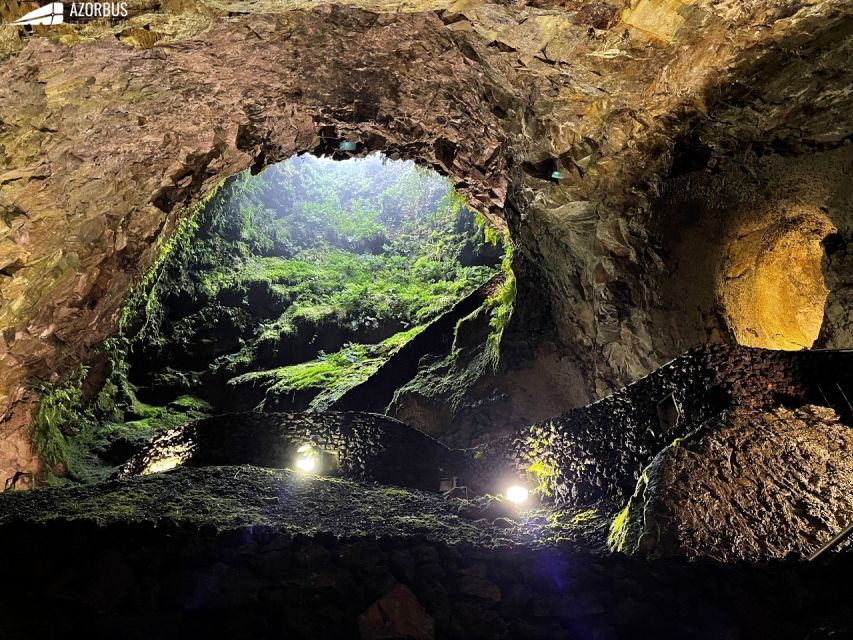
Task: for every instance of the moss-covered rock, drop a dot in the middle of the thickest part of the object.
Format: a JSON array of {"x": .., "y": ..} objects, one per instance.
[{"x": 229, "y": 497}]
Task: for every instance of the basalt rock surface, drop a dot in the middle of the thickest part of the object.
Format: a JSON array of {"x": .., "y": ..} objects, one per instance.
[
  {"x": 595, "y": 455},
  {"x": 365, "y": 446},
  {"x": 760, "y": 485},
  {"x": 598, "y": 452},
  {"x": 602, "y": 135}
]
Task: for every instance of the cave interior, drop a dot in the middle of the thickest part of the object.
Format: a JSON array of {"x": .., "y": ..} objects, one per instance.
[{"x": 511, "y": 319}]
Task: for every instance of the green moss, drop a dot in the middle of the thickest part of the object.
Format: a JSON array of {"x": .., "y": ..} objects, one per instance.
[
  {"x": 545, "y": 474},
  {"x": 64, "y": 428},
  {"x": 618, "y": 533},
  {"x": 116, "y": 505},
  {"x": 331, "y": 375},
  {"x": 338, "y": 285},
  {"x": 58, "y": 413},
  {"x": 144, "y": 300},
  {"x": 447, "y": 380},
  {"x": 395, "y": 492},
  {"x": 259, "y": 263},
  {"x": 327, "y": 372},
  {"x": 582, "y": 517},
  {"x": 616, "y": 536},
  {"x": 188, "y": 402},
  {"x": 501, "y": 304},
  {"x": 490, "y": 234},
  {"x": 51, "y": 480}
]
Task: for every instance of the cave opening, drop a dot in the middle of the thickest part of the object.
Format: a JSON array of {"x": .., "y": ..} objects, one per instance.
[{"x": 318, "y": 284}]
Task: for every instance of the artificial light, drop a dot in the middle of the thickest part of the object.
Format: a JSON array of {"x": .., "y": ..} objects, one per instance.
[{"x": 517, "y": 494}]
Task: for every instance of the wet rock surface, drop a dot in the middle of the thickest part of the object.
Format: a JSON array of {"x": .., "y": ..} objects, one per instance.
[
  {"x": 758, "y": 485},
  {"x": 597, "y": 452}
]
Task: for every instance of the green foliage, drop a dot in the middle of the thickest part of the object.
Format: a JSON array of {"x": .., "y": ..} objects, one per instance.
[
  {"x": 359, "y": 248},
  {"x": 490, "y": 235},
  {"x": 144, "y": 299},
  {"x": 347, "y": 287},
  {"x": 616, "y": 535},
  {"x": 333, "y": 374},
  {"x": 65, "y": 428},
  {"x": 362, "y": 246},
  {"x": 58, "y": 414},
  {"x": 501, "y": 304}
]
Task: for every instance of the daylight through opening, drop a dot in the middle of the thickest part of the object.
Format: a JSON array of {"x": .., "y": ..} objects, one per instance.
[{"x": 305, "y": 287}]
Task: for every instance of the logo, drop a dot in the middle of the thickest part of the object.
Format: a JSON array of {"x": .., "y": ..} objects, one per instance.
[
  {"x": 54, "y": 13},
  {"x": 49, "y": 14}
]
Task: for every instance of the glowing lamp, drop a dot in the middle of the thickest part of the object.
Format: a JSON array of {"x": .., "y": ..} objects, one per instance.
[
  {"x": 306, "y": 463},
  {"x": 306, "y": 459},
  {"x": 517, "y": 494}
]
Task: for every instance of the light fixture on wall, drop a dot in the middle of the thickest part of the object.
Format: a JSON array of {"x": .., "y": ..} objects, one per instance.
[
  {"x": 306, "y": 458},
  {"x": 315, "y": 460},
  {"x": 517, "y": 494}
]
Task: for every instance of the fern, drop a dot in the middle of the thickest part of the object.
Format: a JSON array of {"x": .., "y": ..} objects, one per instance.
[{"x": 58, "y": 413}]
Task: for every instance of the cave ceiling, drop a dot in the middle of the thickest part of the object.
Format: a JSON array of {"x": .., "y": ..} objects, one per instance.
[{"x": 108, "y": 130}]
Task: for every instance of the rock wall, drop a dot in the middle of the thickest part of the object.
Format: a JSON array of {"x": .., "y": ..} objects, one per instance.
[
  {"x": 701, "y": 497},
  {"x": 365, "y": 446},
  {"x": 750, "y": 253},
  {"x": 107, "y": 129},
  {"x": 587, "y": 455},
  {"x": 165, "y": 125},
  {"x": 598, "y": 452}
]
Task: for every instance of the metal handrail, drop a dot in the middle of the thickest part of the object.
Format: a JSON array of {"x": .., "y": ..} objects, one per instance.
[{"x": 832, "y": 542}]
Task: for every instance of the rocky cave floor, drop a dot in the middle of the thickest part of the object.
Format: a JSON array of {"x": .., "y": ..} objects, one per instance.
[
  {"x": 245, "y": 552},
  {"x": 228, "y": 498}
]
